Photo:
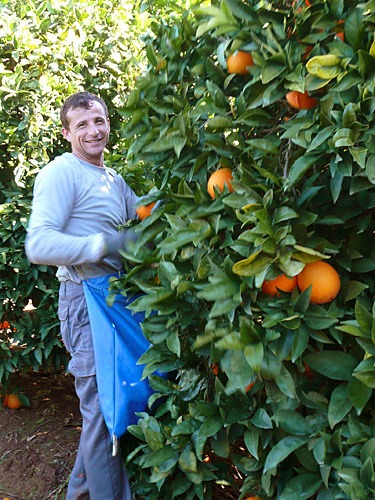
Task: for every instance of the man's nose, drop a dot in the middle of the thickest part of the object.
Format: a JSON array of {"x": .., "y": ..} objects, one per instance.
[{"x": 94, "y": 128}]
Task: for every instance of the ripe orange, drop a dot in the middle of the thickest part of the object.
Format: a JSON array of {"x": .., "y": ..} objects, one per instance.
[
  {"x": 324, "y": 280},
  {"x": 5, "y": 402},
  {"x": 249, "y": 386},
  {"x": 239, "y": 61},
  {"x": 145, "y": 211},
  {"x": 340, "y": 35},
  {"x": 4, "y": 325},
  {"x": 282, "y": 282},
  {"x": 13, "y": 401},
  {"x": 255, "y": 497},
  {"x": 307, "y": 3},
  {"x": 215, "y": 369},
  {"x": 219, "y": 179},
  {"x": 301, "y": 100}
]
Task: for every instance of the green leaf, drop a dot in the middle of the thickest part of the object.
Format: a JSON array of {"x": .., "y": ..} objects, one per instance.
[
  {"x": 243, "y": 11},
  {"x": 230, "y": 341},
  {"x": 292, "y": 422},
  {"x": 253, "y": 265},
  {"x": 320, "y": 138},
  {"x": 188, "y": 460},
  {"x": 299, "y": 168},
  {"x": 282, "y": 450},
  {"x": 300, "y": 342},
  {"x": 364, "y": 317},
  {"x": 254, "y": 118},
  {"x": 251, "y": 438},
  {"x": 354, "y": 27},
  {"x": 359, "y": 394},
  {"x": 271, "y": 69},
  {"x": 262, "y": 420},
  {"x": 367, "y": 475},
  {"x": 160, "y": 456},
  {"x": 219, "y": 123},
  {"x": 353, "y": 289},
  {"x": 335, "y": 365},
  {"x": 220, "y": 444},
  {"x": 339, "y": 405},
  {"x": 365, "y": 372},
  {"x": 303, "y": 486},
  {"x": 284, "y": 213},
  {"x": 254, "y": 354},
  {"x": 370, "y": 168},
  {"x": 285, "y": 383}
]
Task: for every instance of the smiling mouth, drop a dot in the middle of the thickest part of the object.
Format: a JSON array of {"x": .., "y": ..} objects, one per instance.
[{"x": 95, "y": 141}]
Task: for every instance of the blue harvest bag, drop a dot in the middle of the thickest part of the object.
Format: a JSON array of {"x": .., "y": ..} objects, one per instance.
[{"x": 118, "y": 344}]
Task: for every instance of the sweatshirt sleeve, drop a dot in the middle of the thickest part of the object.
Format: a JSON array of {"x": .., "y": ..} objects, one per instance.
[{"x": 46, "y": 242}]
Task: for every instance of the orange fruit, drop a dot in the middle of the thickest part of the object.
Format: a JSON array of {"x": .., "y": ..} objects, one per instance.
[
  {"x": 239, "y": 61},
  {"x": 340, "y": 35},
  {"x": 13, "y": 401},
  {"x": 219, "y": 179},
  {"x": 301, "y": 100},
  {"x": 249, "y": 386},
  {"x": 215, "y": 369},
  {"x": 5, "y": 402},
  {"x": 255, "y": 497},
  {"x": 324, "y": 280},
  {"x": 282, "y": 282},
  {"x": 307, "y": 4},
  {"x": 145, "y": 210},
  {"x": 4, "y": 325}
]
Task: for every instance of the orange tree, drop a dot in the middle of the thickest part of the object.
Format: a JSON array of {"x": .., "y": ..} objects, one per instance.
[{"x": 266, "y": 395}]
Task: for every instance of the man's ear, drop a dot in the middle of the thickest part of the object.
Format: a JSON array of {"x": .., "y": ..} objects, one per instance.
[{"x": 66, "y": 134}]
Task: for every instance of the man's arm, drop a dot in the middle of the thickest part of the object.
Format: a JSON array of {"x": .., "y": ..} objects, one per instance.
[{"x": 46, "y": 242}]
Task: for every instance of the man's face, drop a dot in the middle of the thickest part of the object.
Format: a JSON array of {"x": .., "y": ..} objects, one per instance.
[{"x": 88, "y": 133}]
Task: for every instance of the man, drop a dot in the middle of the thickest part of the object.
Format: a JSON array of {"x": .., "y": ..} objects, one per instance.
[{"x": 78, "y": 205}]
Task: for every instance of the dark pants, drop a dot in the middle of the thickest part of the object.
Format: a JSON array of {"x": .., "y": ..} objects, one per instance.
[{"x": 96, "y": 475}]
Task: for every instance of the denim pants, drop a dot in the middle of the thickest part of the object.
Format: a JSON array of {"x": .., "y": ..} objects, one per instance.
[{"x": 96, "y": 475}]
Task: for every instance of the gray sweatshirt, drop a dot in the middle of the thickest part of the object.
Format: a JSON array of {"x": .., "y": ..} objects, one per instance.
[{"x": 77, "y": 208}]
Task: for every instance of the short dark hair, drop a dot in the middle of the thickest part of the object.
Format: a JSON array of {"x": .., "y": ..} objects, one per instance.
[{"x": 79, "y": 100}]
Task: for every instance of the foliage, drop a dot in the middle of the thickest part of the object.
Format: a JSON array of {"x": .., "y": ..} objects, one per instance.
[
  {"x": 49, "y": 50},
  {"x": 303, "y": 191}
]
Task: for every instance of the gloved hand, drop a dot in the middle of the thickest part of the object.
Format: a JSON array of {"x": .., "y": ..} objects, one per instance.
[{"x": 122, "y": 240}]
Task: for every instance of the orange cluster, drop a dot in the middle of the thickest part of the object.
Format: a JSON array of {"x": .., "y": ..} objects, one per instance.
[{"x": 321, "y": 276}]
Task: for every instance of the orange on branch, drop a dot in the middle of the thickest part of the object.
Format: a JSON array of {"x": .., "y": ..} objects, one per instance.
[
  {"x": 219, "y": 179},
  {"x": 301, "y": 100},
  {"x": 239, "y": 61},
  {"x": 249, "y": 386},
  {"x": 282, "y": 282},
  {"x": 324, "y": 280},
  {"x": 145, "y": 210}
]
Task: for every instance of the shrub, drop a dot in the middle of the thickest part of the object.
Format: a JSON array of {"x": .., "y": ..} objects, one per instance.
[
  {"x": 303, "y": 191},
  {"x": 49, "y": 50}
]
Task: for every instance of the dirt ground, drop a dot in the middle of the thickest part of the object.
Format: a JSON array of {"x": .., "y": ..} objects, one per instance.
[{"x": 38, "y": 443}]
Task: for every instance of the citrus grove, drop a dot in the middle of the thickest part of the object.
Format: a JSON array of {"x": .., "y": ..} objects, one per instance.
[{"x": 253, "y": 123}]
